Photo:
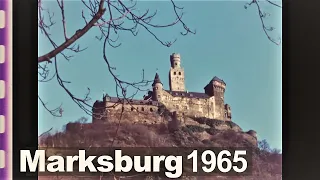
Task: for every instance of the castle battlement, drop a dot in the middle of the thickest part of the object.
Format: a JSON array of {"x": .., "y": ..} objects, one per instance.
[
  {"x": 175, "y": 57},
  {"x": 209, "y": 104}
]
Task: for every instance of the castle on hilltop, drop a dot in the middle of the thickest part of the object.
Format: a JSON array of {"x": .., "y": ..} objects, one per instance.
[{"x": 209, "y": 104}]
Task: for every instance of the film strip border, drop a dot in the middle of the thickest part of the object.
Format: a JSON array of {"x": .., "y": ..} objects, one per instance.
[{"x": 5, "y": 89}]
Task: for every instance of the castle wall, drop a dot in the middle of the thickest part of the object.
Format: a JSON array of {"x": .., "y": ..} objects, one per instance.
[
  {"x": 189, "y": 106},
  {"x": 218, "y": 91},
  {"x": 142, "y": 113},
  {"x": 228, "y": 112},
  {"x": 219, "y": 111},
  {"x": 132, "y": 107},
  {"x": 209, "y": 104}
]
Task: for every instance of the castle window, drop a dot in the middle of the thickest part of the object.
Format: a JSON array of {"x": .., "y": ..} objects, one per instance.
[
  {"x": 179, "y": 73},
  {"x": 151, "y": 110},
  {"x": 132, "y": 108},
  {"x": 142, "y": 109},
  {"x": 176, "y": 64},
  {"x": 174, "y": 73}
]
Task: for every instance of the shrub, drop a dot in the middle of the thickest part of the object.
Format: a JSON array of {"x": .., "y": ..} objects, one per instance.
[
  {"x": 212, "y": 131},
  {"x": 163, "y": 111},
  {"x": 185, "y": 129},
  {"x": 264, "y": 146},
  {"x": 162, "y": 128},
  {"x": 229, "y": 134},
  {"x": 194, "y": 128},
  {"x": 231, "y": 124},
  {"x": 214, "y": 122},
  {"x": 267, "y": 161},
  {"x": 206, "y": 141},
  {"x": 201, "y": 120}
]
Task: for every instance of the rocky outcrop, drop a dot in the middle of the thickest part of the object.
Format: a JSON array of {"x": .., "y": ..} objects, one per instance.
[{"x": 204, "y": 128}]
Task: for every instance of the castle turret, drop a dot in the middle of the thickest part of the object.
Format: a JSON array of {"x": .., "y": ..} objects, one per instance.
[
  {"x": 157, "y": 88},
  {"x": 175, "y": 60},
  {"x": 216, "y": 87},
  {"x": 176, "y": 74},
  {"x": 227, "y": 109}
]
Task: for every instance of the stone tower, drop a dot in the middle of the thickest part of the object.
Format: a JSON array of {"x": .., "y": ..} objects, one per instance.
[
  {"x": 157, "y": 88},
  {"x": 227, "y": 112},
  {"x": 216, "y": 88},
  {"x": 176, "y": 74}
]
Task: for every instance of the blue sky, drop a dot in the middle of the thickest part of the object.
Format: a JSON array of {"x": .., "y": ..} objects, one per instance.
[{"x": 229, "y": 43}]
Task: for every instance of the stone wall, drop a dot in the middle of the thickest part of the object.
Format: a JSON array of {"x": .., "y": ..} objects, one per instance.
[
  {"x": 142, "y": 113},
  {"x": 176, "y": 79},
  {"x": 219, "y": 111},
  {"x": 218, "y": 91},
  {"x": 132, "y": 107},
  {"x": 189, "y": 106},
  {"x": 228, "y": 112}
]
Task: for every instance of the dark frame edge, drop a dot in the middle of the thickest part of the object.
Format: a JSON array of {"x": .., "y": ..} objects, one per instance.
[
  {"x": 25, "y": 113},
  {"x": 300, "y": 66}
]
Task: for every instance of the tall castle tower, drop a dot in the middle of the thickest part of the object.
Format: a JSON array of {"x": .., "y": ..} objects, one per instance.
[
  {"x": 176, "y": 74},
  {"x": 216, "y": 87}
]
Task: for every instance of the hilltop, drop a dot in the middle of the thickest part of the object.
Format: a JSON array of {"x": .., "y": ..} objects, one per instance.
[{"x": 170, "y": 132}]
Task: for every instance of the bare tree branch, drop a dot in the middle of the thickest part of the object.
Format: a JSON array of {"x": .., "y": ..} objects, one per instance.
[
  {"x": 45, "y": 133},
  {"x": 274, "y": 4},
  {"x": 61, "y": 5},
  {"x": 57, "y": 112},
  {"x": 263, "y": 15},
  {"x": 76, "y": 36},
  {"x": 110, "y": 18},
  {"x": 107, "y": 23}
]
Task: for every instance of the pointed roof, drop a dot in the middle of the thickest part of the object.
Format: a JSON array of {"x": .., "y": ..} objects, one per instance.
[
  {"x": 156, "y": 79},
  {"x": 217, "y": 79}
]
